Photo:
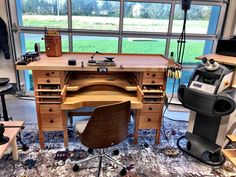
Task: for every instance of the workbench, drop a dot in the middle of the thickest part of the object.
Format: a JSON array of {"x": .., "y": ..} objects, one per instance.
[{"x": 59, "y": 88}]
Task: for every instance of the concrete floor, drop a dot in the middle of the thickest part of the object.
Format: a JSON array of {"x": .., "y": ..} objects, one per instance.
[
  {"x": 20, "y": 109},
  {"x": 25, "y": 110}
]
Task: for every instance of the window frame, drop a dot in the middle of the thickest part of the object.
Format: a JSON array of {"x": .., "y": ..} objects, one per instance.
[{"x": 120, "y": 34}]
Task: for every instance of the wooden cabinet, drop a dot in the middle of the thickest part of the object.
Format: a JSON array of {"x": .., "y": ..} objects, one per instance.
[
  {"x": 48, "y": 87},
  {"x": 150, "y": 116}
]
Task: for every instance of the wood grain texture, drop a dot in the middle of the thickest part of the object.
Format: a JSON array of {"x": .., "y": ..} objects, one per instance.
[
  {"x": 223, "y": 59},
  {"x": 129, "y": 62},
  {"x": 230, "y": 154},
  {"x": 11, "y": 133}
]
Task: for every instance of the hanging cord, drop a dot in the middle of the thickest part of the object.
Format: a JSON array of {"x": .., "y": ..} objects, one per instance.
[{"x": 180, "y": 57}]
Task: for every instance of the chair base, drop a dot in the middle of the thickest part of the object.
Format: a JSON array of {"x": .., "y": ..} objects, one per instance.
[{"x": 101, "y": 155}]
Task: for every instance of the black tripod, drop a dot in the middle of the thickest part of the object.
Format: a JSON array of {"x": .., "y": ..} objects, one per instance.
[{"x": 7, "y": 89}]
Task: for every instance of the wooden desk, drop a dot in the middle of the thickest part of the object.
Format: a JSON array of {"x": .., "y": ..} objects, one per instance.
[
  {"x": 59, "y": 87},
  {"x": 11, "y": 133}
]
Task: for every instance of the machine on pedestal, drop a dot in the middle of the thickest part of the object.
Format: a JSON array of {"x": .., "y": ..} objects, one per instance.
[{"x": 212, "y": 103}]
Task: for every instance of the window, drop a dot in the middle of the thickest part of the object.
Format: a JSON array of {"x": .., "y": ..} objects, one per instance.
[
  {"x": 146, "y": 17},
  {"x": 122, "y": 26},
  {"x": 144, "y": 45},
  {"x": 42, "y": 13},
  {"x": 93, "y": 44},
  {"x": 193, "y": 48},
  {"x": 201, "y": 19},
  {"x": 29, "y": 39},
  {"x": 95, "y": 14}
]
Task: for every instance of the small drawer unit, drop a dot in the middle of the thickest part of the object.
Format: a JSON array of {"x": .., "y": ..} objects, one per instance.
[
  {"x": 152, "y": 108},
  {"x": 48, "y": 80},
  {"x": 48, "y": 89},
  {"x": 51, "y": 122},
  {"x": 50, "y": 108},
  {"x": 47, "y": 74},
  {"x": 150, "y": 116},
  {"x": 149, "y": 120}
]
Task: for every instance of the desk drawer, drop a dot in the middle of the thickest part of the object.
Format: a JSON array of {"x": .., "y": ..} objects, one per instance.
[
  {"x": 45, "y": 80},
  {"x": 153, "y": 81},
  {"x": 51, "y": 122},
  {"x": 153, "y": 75},
  {"x": 47, "y": 74},
  {"x": 50, "y": 108},
  {"x": 150, "y": 120},
  {"x": 151, "y": 108}
]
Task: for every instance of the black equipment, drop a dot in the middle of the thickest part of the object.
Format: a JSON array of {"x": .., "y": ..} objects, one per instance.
[
  {"x": 28, "y": 57},
  {"x": 107, "y": 62},
  {"x": 3, "y": 139},
  {"x": 4, "y": 39},
  {"x": 71, "y": 62},
  {"x": 186, "y": 4},
  {"x": 226, "y": 47},
  {"x": 212, "y": 103}
]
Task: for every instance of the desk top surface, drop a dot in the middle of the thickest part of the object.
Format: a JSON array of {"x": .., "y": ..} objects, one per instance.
[
  {"x": 10, "y": 132},
  {"x": 228, "y": 60},
  {"x": 124, "y": 62}
]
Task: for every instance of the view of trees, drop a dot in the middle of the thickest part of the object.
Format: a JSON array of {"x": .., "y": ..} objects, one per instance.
[{"x": 111, "y": 9}]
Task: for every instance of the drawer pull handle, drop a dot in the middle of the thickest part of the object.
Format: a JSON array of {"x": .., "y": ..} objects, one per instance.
[
  {"x": 154, "y": 75},
  {"x": 149, "y": 120},
  {"x": 150, "y": 108},
  {"x": 147, "y": 73},
  {"x": 153, "y": 82},
  {"x": 51, "y": 121},
  {"x": 47, "y": 74},
  {"x": 48, "y": 81},
  {"x": 50, "y": 110},
  {"x": 52, "y": 72}
]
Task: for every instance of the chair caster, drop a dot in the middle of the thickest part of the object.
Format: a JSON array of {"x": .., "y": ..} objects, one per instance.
[
  {"x": 116, "y": 152},
  {"x": 90, "y": 150},
  {"x": 75, "y": 168},
  {"x": 25, "y": 148},
  {"x": 123, "y": 172}
]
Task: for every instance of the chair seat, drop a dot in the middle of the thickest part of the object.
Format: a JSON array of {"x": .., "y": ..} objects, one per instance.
[{"x": 80, "y": 126}]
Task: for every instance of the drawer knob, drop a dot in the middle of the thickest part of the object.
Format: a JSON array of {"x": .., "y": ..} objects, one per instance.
[
  {"x": 154, "y": 75},
  {"x": 149, "y": 119},
  {"x": 51, "y": 121},
  {"x": 48, "y": 81},
  {"x": 47, "y": 74},
  {"x": 147, "y": 73},
  {"x": 50, "y": 110},
  {"x": 150, "y": 108},
  {"x": 52, "y": 72},
  {"x": 153, "y": 82}
]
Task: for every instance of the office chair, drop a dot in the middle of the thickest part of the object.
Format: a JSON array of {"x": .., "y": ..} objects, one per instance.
[{"x": 108, "y": 126}]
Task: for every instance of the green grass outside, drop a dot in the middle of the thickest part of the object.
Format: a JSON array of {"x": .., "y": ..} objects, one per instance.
[
  {"x": 193, "y": 48},
  {"x": 112, "y": 23}
]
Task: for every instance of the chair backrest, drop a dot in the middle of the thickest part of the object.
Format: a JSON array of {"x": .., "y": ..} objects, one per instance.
[{"x": 107, "y": 126}]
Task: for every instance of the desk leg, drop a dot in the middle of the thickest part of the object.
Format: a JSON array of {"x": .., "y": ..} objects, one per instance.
[
  {"x": 136, "y": 120},
  {"x": 157, "y": 140},
  {"x": 14, "y": 149},
  {"x": 65, "y": 132},
  {"x": 41, "y": 139}
]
